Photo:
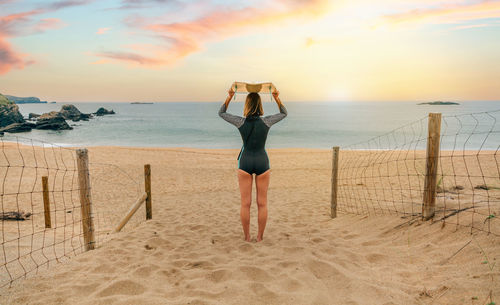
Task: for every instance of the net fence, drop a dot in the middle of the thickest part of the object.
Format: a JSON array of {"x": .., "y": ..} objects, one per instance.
[
  {"x": 35, "y": 234},
  {"x": 386, "y": 174}
]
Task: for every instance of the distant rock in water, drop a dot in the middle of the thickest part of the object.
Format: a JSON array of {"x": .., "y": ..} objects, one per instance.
[
  {"x": 18, "y": 127},
  {"x": 141, "y": 103},
  {"x": 53, "y": 121},
  {"x": 25, "y": 100},
  {"x": 439, "y": 103},
  {"x": 9, "y": 114},
  {"x": 103, "y": 111},
  {"x": 70, "y": 112}
]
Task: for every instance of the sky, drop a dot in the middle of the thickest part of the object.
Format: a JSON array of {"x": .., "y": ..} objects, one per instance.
[{"x": 312, "y": 50}]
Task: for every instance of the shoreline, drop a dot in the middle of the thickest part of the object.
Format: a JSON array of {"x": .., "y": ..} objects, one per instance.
[{"x": 189, "y": 148}]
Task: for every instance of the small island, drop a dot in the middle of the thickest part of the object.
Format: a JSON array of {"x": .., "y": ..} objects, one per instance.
[
  {"x": 439, "y": 103},
  {"x": 142, "y": 103}
]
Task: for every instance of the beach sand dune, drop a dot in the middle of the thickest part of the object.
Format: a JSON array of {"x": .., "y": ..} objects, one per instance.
[{"x": 193, "y": 252}]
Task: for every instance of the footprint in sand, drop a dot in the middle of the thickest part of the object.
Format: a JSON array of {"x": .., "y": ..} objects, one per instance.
[
  {"x": 255, "y": 273},
  {"x": 103, "y": 269},
  {"x": 199, "y": 264},
  {"x": 323, "y": 270},
  {"x": 219, "y": 276},
  {"x": 246, "y": 247},
  {"x": 145, "y": 271},
  {"x": 292, "y": 249},
  {"x": 83, "y": 290},
  {"x": 198, "y": 228},
  {"x": 262, "y": 291},
  {"x": 375, "y": 258},
  {"x": 317, "y": 240},
  {"x": 350, "y": 236},
  {"x": 291, "y": 285},
  {"x": 370, "y": 243},
  {"x": 124, "y": 287},
  {"x": 288, "y": 264}
]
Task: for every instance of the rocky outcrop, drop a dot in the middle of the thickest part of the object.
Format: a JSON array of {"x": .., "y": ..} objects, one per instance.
[
  {"x": 53, "y": 121},
  {"x": 18, "y": 127},
  {"x": 4, "y": 100},
  {"x": 9, "y": 114},
  {"x": 32, "y": 116},
  {"x": 103, "y": 111},
  {"x": 70, "y": 112}
]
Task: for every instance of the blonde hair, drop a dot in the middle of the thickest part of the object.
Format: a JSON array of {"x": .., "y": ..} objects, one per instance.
[{"x": 253, "y": 105}]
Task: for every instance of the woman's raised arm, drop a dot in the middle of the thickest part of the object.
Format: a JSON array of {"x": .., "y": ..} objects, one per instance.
[
  {"x": 270, "y": 120},
  {"x": 230, "y": 118}
]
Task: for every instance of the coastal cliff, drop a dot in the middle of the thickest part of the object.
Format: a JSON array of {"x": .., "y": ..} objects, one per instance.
[{"x": 25, "y": 100}]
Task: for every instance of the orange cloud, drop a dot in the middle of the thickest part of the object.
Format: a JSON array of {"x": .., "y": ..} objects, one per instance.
[
  {"x": 102, "y": 31},
  {"x": 184, "y": 38},
  {"x": 450, "y": 13}
]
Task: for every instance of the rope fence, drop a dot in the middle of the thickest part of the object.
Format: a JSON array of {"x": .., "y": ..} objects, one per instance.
[
  {"x": 444, "y": 168},
  {"x": 56, "y": 203}
]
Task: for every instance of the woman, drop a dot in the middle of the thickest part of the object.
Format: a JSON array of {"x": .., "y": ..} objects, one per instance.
[{"x": 253, "y": 157}]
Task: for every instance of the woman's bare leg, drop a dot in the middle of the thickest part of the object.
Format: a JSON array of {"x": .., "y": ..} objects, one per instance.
[
  {"x": 262, "y": 184},
  {"x": 245, "y": 181}
]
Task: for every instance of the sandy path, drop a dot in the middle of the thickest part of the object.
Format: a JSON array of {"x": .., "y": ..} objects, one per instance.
[{"x": 192, "y": 251}]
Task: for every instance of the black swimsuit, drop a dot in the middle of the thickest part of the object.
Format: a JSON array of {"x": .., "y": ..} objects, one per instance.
[{"x": 253, "y": 158}]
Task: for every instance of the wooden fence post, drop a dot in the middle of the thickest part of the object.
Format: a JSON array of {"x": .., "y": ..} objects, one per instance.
[
  {"x": 85, "y": 198},
  {"x": 46, "y": 201},
  {"x": 431, "y": 166},
  {"x": 335, "y": 173},
  {"x": 131, "y": 212},
  {"x": 147, "y": 189}
]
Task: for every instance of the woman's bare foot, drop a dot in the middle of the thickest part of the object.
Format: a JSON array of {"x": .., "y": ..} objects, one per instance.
[
  {"x": 259, "y": 238},
  {"x": 248, "y": 238}
]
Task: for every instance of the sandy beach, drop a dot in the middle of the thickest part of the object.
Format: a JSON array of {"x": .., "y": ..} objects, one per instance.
[{"x": 192, "y": 251}]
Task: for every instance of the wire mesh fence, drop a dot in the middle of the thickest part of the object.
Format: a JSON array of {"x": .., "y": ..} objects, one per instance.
[
  {"x": 387, "y": 174},
  {"x": 37, "y": 233}
]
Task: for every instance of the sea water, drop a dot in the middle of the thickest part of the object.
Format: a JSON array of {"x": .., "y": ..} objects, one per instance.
[{"x": 308, "y": 124}]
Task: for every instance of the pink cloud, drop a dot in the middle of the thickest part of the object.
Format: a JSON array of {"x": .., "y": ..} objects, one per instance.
[
  {"x": 8, "y": 58},
  {"x": 450, "y": 13},
  {"x": 129, "y": 57},
  {"x": 180, "y": 39},
  {"x": 471, "y": 26},
  {"x": 23, "y": 24},
  {"x": 47, "y": 24},
  {"x": 102, "y": 31}
]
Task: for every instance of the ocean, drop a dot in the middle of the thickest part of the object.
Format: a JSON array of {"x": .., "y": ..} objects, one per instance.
[{"x": 308, "y": 125}]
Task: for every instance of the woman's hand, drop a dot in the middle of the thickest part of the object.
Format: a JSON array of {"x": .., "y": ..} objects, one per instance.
[
  {"x": 276, "y": 95},
  {"x": 230, "y": 95}
]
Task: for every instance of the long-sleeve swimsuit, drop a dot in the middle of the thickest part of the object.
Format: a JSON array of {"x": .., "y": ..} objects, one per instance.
[{"x": 253, "y": 158}]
